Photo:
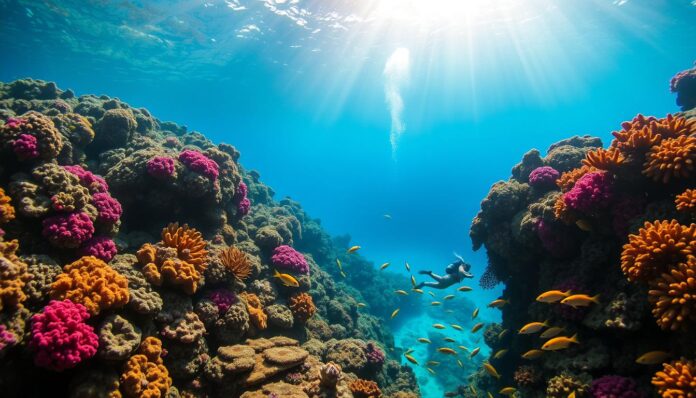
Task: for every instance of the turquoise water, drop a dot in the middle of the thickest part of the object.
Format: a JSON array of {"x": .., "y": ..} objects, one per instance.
[{"x": 366, "y": 108}]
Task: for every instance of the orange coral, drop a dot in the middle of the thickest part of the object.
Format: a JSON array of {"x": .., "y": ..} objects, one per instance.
[
  {"x": 674, "y": 126},
  {"x": 91, "y": 282},
  {"x": 656, "y": 247},
  {"x": 686, "y": 201},
  {"x": 671, "y": 158},
  {"x": 677, "y": 379},
  {"x": 7, "y": 212},
  {"x": 13, "y": 275},
  {"x": 144, "y": 375},
  {"x": 604, "y": 159},
  {"x": 255, "y": 309},
  {"x": 364, "y": 389},
  {"x": 302, "y": 306},
  {"x": 673, "y": 295},
  {"x": 568, "y": 179},
  {"x": 236, "y": 262},
  {"x": 561, "y": 211},
  {"x": 189, "y": 244},
  {"x": 643, "y": 133}
]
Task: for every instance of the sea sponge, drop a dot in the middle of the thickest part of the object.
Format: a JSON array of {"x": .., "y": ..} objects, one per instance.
[
  {"x": 13, "y": 276},
  {"x": 60, "y": 337},
  {"x": 676, "y": 379},
  {"x": 199, "y": 163},
  {"x": 657, "y": 246},
  {"x": 685, "y": 201},
  {"x": 604, "y": 159},
  {"x": 144, "y": 375},
  {"x": 615, "y": 387},
  {"x": 302, "y": 307},
  {"x": 32, "y": 135},
  {"x": 290, "y": 259},
  {"x": 543, "y": 177},
  {"x": 671, "y": 159},
  {"x": 364, "y": 389},
  {"x": 68, "y": 231},
  {"x": 255, "y": 309},
  {"x": 91, "y": 282},
  {"x": 684, "y": 85},
  {"x": 7, "y": 212},
  {"x": 591, "y": 193},
  {"x": 236, "y": 262},
  {"x": 673, "y": 295},
  {"x": 568, "y": 179},
  {"x": 161, "y": 167},
  {"x": 118, "y": 338}
]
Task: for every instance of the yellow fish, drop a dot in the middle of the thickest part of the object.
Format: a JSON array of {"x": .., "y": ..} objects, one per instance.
[
  {"x": 362, "y": 305},
  {"x": 461, "y": 347},
  {"x": 438, "y": 326},
  {"x": 552, "y": 296},
  {"x": 533, "y": 327},
  {"x": 449, "y": 339},
  {"x": 584, "y": 225},
  {"x": 401, "y": 292},
  {"x": 499, "y": 303},
  {"x": 353, "y": 249},
  {"x": 424, "y": 340},
  {"x": 465, "y": 289},
  {"x": 430, "y": 370},
  {"x": 459, "y": 362},
  {"x": 508, "y": 391},
  {"x": 500, "y": 353},
  {"x": 572, "y": 394},
  {"x": 411, "y": 359},
  {"x": 551, "y": 332},
  {"x": 433, "y": 363},
  {"x": 431, "y": 293},
  {"x": 435, "y": 303},
  {"x": 410, "y": 350},
  {"x": 489, "y": 395},
  {"x": 286, "y": 279},
  {"x": 396, "y": 311},
  {"x": 455, "y": 326},
  {"x": 383, "y": 266},
  {"x": 408, "y": 267},
  {"x": 419, "y": 291},
  {"x": 413, "y": 281},
  {"x": 475, "y": 352},
  {"x": 473, "y": 389},
  {"x": 532, "y": 354},
  {"x": 338, "y": 262},
  {"x": 653, "y": 358},
  {"x": 580, "y": 300},
  {"x": 343, "y": 274},
  {"x": 491, "y": 370},
  {"x": 560, "y": 343},
  {"x": 477, "y": 327},
  {"x": 447, "y": 351},
  {"x": 475, "y": 313},
  {"x": 503, "y": 333},
  {"x": 449, "y": 297}
]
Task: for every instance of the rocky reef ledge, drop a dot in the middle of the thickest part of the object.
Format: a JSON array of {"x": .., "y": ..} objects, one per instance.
[{"x": 137, "y": 259}]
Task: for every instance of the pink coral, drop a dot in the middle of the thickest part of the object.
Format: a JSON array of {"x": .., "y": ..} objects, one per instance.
[
  {"x": 243, "y": 202},
  {"x": 100, "y": 247},
  {"x": 68, "y": 231},
  {"x": 199, "y": 163},
  {"x": 161, "y": 167},
  {"x": 26, "y": 147},
  {"x": 543, "y": 177},
  {"x": 375, "y": 356},
  {"x": 592, "y": 192},
  {"x": 60, "y": 337},
  {"x": 91, "y": 181},
  {"x": 615, "y": 387},
  {"x": 109, "y": 209},
  {"x": 14, "y": 122},
  {"x": 684, "y": 85},
  {"x": 243, "y": 207},
  {"x": 286, "y": 257},
  {"x": 223, "y": 299},
  {"x": 7, "y": 338}
]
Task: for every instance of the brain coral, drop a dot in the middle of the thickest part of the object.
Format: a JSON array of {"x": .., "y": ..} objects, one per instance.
[
  {"x": 13, "y": 275},
  {"x": 32, "y": 135},
  {"x": 364, "y": 389},
  {"x": 60, "y": 337},
  {"x": 118, "y": 338},
  {"x": 144, "y": 375},
  {"x": 91, "y": 282},
  {"x": 685, "y": 201},
  {"x": 199, "y": 163},
  {"x": 288, "y": 258},
  {"x": 671, "y": 159},
  {"x": 676, "y": 379},
  {"x": 302, "y": 307},
  {"x": 615, "y": 387},
  {"x": 68, "y": 231},
  {"x": 657, "y": 246},
  {"x": 673, "y": 295},
  {"x": 236, "y": 262},
  {"x": 7, "y": 212}
]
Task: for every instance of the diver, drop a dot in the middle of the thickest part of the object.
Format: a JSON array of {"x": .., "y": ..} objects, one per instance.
[{"x": 455, "y": 273}]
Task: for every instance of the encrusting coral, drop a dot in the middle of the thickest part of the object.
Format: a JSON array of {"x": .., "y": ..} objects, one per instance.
[
  {"x": 7, "y": 211},
  {"x": 365, "y": 389}
]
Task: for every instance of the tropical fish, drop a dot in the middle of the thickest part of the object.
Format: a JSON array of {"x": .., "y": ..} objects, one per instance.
[
  {"x": 491, "y": 370},
  {"x": 473, "y": 389},
  {"x": 532, "y": 354},
  {"x": 388, "y": 216},
  {"x": 413, "y": 281},
  {"x": 459, "y": 362},
  {"x": 449, "y": 297},
  {"x": 499, "y": 303},
  {"x": 508, "y": 391},
  {"x": 560, "y": 343},
  {"x": 431, "y": 293},
  {"x": 383, "y": 266},
  {"x": 447, "y": 351},
  {"x": 401, "y": 292},
  {"x": 338, "y": 262},
  {"x": 410, "y": 350},
  {"x": 286, "y": 279},
  {"x": 408, "y": 267},
  {"x": 449, "y": 339},
  {"x": 572, "y": 394},
  {"x": 551, "y": 332},
  {"x": 532, "y": 327},
  {"x": 584, "y": 225},
  {"x": 449, "y": 311},
  {"x": 424, "y": 340},
  {"x": 500, "y": 353},
  {"x": 343, "y": 274},
  {"x": 477, "y": 327},
  {"x": 419, "y": 291},
  {"x": 461, "y": 347},
  {"x": 435, "y": 303},
  {"x": 580, "y": 300},
  {"x": 455, "y": 326},
  {"x": 552, "y": 296},
  {"x": 396, "y": 311},
  {"x": 465, "y": 289},
  {"x": 433, "y": 363},
  {"x": 475, "y": 313},
  {"x": 411, "y": 359},
  {"x": 438, "y": 326},
  {"x": 475, "y": 352},
  {"x": 430, "y": 370},
  {"x": 503, "y": 333},
  {"x": 362, "y": 305},
  {"x": 353, "y": 249},
  {"x": 653, "y": 358},
  {"x": 488, "y": 394}
]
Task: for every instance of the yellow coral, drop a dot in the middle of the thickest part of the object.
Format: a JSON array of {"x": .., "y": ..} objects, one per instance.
[
  {"x": 255, "y": 309},
  {"x": 236, "y": 262},
  {"x": 673, "y": 295},
  {"x": 13, "y": 275},
  {"x": 604, "y": 159},
  {"x": 686, "y": 201},
  {"x": 677, "y": 379},
  {"x": 568, "y": 179},
  {"x": 144, "y": 375},
  {"x": 671, "y": 158},
  {"x": 364, "y": 389},
  {"x": 656, "y": 247},
  {"x": 302, "y": 306},
  {"x": 91, "y": 282},
  {"x": 7, "y": 212}
]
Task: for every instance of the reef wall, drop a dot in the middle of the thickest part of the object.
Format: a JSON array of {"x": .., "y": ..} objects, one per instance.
[{"x": 139, "y": 259}]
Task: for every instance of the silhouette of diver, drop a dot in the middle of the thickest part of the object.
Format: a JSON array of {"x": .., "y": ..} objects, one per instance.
[{"x": 455, "y": 273}]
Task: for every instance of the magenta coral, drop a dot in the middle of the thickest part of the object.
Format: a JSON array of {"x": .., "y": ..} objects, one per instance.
[
  {"x": 100, "y": 247},
  {"x": 543, "y": 177},
  {"x": 13, "y": 122},
  {"x": 243, "y": 202},
  {"x": 592, "y": 192},
  {"x": 7, "y": 338},
  {"x": 88, "y": 179},
  {"x": 375, "y": 356},
  {"x": 243, "y": 207},
  {"x": 60, "y": 337},
  {"x": 286, "y": 257},
  {"x": 615, "y": 387},
  {"x": 223, "y": 299},
  {"x": 199, "y": 163},
  {"x": 555, "y": 238},
  {"x": 684, "y": 85},
  {"x": 26, "y": 147},
  {"x": 161, "y": 167},
  {"x": 108, "y": 209},
  {"x": 68, "y": 231}
]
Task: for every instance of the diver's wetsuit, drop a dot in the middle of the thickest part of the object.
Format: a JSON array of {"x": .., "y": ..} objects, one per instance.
[{"x": 456, "y": 272}]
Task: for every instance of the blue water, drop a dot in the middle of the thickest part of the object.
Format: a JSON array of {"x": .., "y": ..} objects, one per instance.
[{"x": 306, "y": 91}]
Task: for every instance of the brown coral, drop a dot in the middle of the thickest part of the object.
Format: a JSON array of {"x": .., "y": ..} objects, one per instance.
[
  {"x": 91, "y": 282},
  {"x": 673, "y": 295},
  {"x": 255, "y": 309},
  {"x": 568, "y": 179},
  {"x": 527, "y": 376},
  {"x": 364, "y": 389},
  {"x": 7, "y": 212},
  {"x": 604, "y": 159},
  {"x": 13, "y": 275},
  {"x": 677, "y": 379},
  {"x": 563, "y": 385},
  {"x": 302, "y": 306},
  {"x": 144, "y": 375},
  {"x": 686, "y": 201},
  {"x": 657, "y": 246},
  {"x": 236, "y": 262},
  {"x": 48, "y": 139},
  {"x": 672, "y": 158}
]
